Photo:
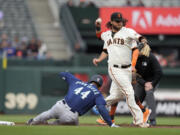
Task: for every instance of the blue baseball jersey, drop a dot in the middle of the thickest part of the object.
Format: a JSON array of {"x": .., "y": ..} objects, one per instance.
[{"x": 81, "y": 96}]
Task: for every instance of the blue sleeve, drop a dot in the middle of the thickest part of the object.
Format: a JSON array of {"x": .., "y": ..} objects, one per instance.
[
  {"x": 104, "y": 113},
  {"x": 100, "y": 103},
  {"x": 100, "y": 100},
  {"x": 68, "y": 77}
]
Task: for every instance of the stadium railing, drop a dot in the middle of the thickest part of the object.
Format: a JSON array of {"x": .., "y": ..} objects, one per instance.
[{"x": 70, "y": 29}]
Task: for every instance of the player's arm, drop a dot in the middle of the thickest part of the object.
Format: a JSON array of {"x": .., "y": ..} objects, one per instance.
[
  {"x": 98, "y": 28},
  {"x": 102, "y": 56},
  {"x": 68, "y": 77},
  {"x": 104, "y": 113},
  {"x": 98, "y": 34},
  {"x": 135, "y": 54},
  {"x": 100, "y": 104},
  {"x": 135, "y": 36}
]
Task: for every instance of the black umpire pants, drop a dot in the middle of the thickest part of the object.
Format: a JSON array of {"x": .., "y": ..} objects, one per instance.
[{"x": 148, "y": 96}]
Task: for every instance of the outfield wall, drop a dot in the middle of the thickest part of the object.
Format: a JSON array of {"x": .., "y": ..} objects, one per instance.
[{"x": 33, "y": 89}]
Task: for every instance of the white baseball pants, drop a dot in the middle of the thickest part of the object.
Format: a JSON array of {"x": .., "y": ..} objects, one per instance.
[{"x": 121, "y": 85}]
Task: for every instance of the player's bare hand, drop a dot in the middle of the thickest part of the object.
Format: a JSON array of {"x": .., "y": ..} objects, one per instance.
[
  {"x": 114, "y": 125},
  {"x": 148, "y": 86},
  {"x": 96, "y": 61},
  {"x": 133, "y": 69}
]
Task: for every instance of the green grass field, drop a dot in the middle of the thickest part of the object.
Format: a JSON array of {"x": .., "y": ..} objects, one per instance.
[{"x": 88, "y": 130}]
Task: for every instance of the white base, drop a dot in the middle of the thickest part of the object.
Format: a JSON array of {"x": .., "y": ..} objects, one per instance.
[{"x": 7, "y": 123}]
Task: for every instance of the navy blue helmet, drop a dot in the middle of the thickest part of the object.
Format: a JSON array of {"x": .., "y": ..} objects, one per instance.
[{"x": 97, "y": 79}]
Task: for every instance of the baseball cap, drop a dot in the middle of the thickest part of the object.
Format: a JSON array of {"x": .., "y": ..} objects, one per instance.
[
  {"x": 116, "y": 16},
  {"x": 97, "y": 79}
]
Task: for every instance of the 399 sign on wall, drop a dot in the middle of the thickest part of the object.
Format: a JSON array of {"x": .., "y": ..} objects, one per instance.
[{"x": 20, "y": 101}]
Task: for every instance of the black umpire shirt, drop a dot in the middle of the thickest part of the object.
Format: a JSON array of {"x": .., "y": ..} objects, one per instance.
[{"x": 149, "y": 69}]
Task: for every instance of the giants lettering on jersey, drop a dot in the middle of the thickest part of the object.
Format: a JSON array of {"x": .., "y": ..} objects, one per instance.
[{"x": 115, "y": 41}]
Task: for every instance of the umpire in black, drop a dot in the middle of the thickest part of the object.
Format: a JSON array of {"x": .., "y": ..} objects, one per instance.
[{"x": 148, "y": 75}]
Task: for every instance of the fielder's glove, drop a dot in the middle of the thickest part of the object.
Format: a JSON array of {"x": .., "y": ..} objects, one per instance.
[
  {"x": 144, "y": 49},
  {"x": 140, "y": 45}
]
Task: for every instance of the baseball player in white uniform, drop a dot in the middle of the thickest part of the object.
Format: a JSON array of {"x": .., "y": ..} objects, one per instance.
[{"x": 118, "y": 45}]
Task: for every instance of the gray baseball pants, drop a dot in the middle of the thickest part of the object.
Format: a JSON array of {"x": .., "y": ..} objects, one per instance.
[
  {"x": 61, "y": 112},
  {"x": 148, "y": 96}
]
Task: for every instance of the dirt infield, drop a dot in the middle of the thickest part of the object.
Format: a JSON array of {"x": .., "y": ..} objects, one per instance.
[{"x": 97, "y": 125}]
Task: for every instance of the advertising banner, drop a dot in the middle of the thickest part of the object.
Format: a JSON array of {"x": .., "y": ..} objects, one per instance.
[
  {"x": 146, "y": 20},
  {"x": 167, "y": 104}
]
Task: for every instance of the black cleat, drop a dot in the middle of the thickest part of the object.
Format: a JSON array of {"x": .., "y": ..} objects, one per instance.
[
  {"x": 29, "y": 122},
  {"x": 152, "y": 122}
]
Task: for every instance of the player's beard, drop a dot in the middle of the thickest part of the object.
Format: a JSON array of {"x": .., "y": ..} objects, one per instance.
[{"x": 116, "y": 28}]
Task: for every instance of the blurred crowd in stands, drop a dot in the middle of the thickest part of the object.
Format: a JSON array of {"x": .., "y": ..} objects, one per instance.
[
  {"x": 20, "y": 47},
  {"x": 114, "y": 3},
  {"x": 139, "y": 4},
  {"x": 168, "y": 60},
  {"x": 89, "y": 3},
  {"x": 1, "y": 19},
  {"x": 23, "y": 48},
  {"x": 82, "y": 3}
]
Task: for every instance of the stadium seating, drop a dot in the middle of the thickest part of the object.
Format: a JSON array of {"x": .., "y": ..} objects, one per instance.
[
  {"x": 147, "y": 3},
  {"x": 85, "y": 25},
  {"x": 17, "y": 19}
]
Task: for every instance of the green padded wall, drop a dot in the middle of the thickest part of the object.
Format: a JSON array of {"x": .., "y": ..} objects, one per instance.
[
  {"x": 33, "y": 89},
  {"x": 1, "y": 87}
]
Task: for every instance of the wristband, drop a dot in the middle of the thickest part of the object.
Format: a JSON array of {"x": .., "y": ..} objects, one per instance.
[{"x": 98, "y": 28}]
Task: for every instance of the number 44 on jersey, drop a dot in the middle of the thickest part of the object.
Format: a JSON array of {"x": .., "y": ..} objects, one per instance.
[{"x": 78, "y": 91}]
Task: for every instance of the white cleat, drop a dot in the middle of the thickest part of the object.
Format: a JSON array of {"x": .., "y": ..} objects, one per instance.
[{"x": 143, "y": 125}]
